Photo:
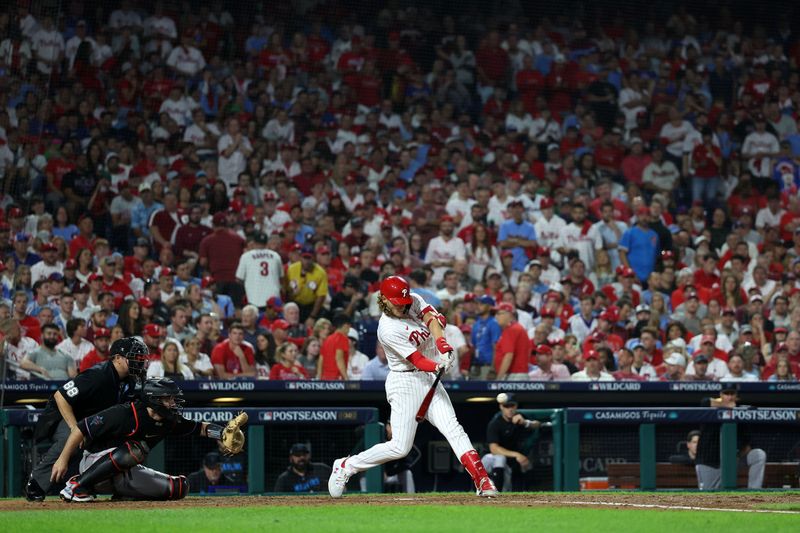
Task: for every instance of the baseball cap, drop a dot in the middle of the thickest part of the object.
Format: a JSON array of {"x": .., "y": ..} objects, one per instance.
[
  {"x": 728, "y": 311},
  {"x": 546, "y": 203},
  {"x": 642, "y": 308},
  {"x": 270, "y": 196},
  {"x": 211, "y": 460},
  {"x": 145, "y": 187},
  {"x": 142, "y": 241},
  {"x": 275, "y": 303},
  {"x": 503, "y": 307},
  {"x": 746, "y": 329},
  {"x": 592, "y": 354},
  {"x": 153, "y": 330},
  {"x": 756, "y": 298},
  {"x": 700, "y": 358},
  {"x": 548, "y": 313},
  {"x": 506, "y": 398},
  {"x": 675, "y": 359},
  {"x": 543, "y": 349},
  {"x": 488, "y": 300},
  {"x": 782, "y": 347},
  {"x": 780, "y": 330},
  {"x": 353, "y": 334},
  {"x": 144, "y": 301},
  {"x": 102, "y": 332},
  {"x": 299, "y": 448},
  {"x": 280, "y": 324},
  {"x": 206, "y": 281},
  {"x": 14, "y": 212},
  {"x": 70, "y": 264},
  {"x": 307, "y": 251},
  {"x": 49, "y": 247},
  {"x": 21, "y": 237},
  {"x": 219, "y": 218}
]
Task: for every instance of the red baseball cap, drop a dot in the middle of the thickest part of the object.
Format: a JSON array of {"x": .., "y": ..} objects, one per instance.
[
  {"x": 275, "y": 303},
  {"x": 94, "y": 276},
  {"x": 14, "y": 212},
  {"x": 102, "y": 332},
  {"x": 504, "y": 306},
  {"x": 49, "y": 247},
  {"x": 206, "y": 281},
  {"x": 70, "y": 264},
  {"x": 270, "y": 196},
  {"x": 152, "y": 330},
  {"x": 548, "y": 313},
  {"x": 219, "y": 218},
  {"x": 542, "y": 348},
  {"x": 144, "y": 301},
  {"x": 591, "y": 354},
  {"x": 280, "y": 324},
  {"x": 166, "y": 271},
  {"x": 547, "y": 203}
]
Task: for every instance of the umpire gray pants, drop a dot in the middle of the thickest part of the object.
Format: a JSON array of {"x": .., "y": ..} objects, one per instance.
[
  {"x": 709, "y": 477},
  {"x": 41, "y": 472}
]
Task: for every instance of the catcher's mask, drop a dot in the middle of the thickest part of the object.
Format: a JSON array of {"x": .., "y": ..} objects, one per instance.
[{"x": 163, "y": 396}]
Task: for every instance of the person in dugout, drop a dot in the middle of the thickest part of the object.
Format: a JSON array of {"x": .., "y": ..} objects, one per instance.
[{"x": 508, "y": 436}]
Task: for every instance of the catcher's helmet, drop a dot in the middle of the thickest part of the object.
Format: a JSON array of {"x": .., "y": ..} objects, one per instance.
[
  {"x": 396, "y": 290},
  {"x": 156, "y": 389},
  {"x": 135, "y": 351}
]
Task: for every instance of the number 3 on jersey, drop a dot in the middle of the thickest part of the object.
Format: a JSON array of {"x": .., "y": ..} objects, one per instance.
[
  {"x": 264, "y": 268},
  {"x": 71, "y": 389}
]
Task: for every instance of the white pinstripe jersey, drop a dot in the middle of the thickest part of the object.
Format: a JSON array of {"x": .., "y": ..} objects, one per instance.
[{"x": 400, "y": 337}]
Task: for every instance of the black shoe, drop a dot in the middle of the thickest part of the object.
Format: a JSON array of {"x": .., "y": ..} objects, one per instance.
[{"x": 33, "y": 492}]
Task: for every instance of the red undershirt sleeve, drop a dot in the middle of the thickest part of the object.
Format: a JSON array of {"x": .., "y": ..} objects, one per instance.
[{"x": 421, "y": 362}]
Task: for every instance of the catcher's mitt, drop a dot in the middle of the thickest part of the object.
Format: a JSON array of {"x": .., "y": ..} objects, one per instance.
[{"x": 232, "y": 440}]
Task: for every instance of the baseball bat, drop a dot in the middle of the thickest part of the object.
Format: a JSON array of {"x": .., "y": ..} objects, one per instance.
[{"x": 426, "y": 402}]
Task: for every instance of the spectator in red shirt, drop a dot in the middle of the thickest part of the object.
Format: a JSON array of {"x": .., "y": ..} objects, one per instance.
[
  {"x": 111, "y": 283},
  {"x": 189, "y": 236},
  {"x": 287, "y": 367},
  {"x": 100, "y": 353},
  {"x": 84, "y": 239},
  {"x": 219, "y": 254},
  {"x": 233, "y": 358},
  {"x": 513, "y": 349},
  {"x": 706, "y": 162},
  {"x": 335, "y": 351}
]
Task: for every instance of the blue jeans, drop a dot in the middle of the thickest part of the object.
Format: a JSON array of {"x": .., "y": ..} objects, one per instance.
[{"x": 704, "y": 190}]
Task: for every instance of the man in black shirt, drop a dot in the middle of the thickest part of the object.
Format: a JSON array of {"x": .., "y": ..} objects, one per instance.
[
  {"x": 707, "y": 461},
  {"x": 117, "y": 441},
  {"x": 506, "y": 436},
  {"x": 91, "y": 391},
  {"x": 302, "y": 475},
  {"x": 211, "y": 475}
]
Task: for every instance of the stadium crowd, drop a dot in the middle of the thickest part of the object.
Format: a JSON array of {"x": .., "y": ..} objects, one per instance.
[{"x": 589, "y": 196}]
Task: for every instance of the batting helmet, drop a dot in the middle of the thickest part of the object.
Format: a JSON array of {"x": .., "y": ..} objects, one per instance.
[
  {"x": 396, "y": 290},
  {"x": 154, "y": 392},
  {"x": 135, "y": 351}
]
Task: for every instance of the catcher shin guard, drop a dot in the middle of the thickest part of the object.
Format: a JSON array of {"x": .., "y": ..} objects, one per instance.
[
  {"x": 483, "y": 483},
  {"x": 118, "y": 460},
  {"x": 178, "y": 488}
]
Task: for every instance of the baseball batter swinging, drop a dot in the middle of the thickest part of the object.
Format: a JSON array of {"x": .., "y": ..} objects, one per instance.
[{"x": 411, "y": 333}]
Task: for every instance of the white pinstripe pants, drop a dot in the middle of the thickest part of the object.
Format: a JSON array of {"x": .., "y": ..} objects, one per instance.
[{"x": 405, "y": 392}]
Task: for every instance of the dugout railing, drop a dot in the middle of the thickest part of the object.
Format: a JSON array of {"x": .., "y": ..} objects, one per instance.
[
  {"x": 617, "y": 439},
  {"x": 361, "y": 425}
]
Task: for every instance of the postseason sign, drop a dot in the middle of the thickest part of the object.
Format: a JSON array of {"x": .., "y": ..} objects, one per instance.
[{"x": 683, "y": 415}]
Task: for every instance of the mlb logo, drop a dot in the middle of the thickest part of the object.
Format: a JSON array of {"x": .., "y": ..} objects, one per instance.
[
  {"x": 33, "y": 417},
  {"x": 203, "y": 386},
  {"x": 726, "y": 415},
  {"x": 291, "y": 386},
  {"x": 595, "y": 386},
  {"x": 266, "y": 416}
]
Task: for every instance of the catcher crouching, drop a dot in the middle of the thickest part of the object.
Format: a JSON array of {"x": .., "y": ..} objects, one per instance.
[{"x": 116, "y": 442}]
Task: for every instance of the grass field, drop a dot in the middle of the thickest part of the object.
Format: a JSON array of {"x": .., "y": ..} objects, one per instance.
[{"x": 752, "y": 512}]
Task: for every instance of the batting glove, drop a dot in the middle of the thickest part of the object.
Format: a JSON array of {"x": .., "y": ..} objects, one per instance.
[{"x": 443, "y": 346}]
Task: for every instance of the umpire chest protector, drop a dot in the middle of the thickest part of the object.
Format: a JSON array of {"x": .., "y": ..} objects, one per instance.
[{"x": 90, "y": 392}]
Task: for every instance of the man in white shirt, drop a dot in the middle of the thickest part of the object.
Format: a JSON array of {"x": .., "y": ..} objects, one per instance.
[
  {"x": 716, "y": 367},
  {"x": 234, "y": 149},
  {"x": 661, "y": 174},
  {"x": 48, "y": 45},
  {"x": 48, "y": 265},
  {"x": 186, "y": 59},
  {"x": 357, "y": 361},
  {"x": 444, "y": 250},
  {"x": 75, "y": 41},
  {"x": 592, "y": 370},
  {"x": 260, "y": 270},
  {"x": 580, "y": 236},
  {"x": 759, "y": 147},
  {"x": 771, "y": 214},
  {"x": 160, "y": 31},
  {"x": 75, "y": 345},
  {"x": 125, "y": 17},
  {"x": 549, "y": 226},
  {"x": 16, "y": 347},
  {"x": 204, "y": 135},
  {"x": 279, "y": 129},
  {"x": 736, "y": 370},
  {"x": 674, "y": 132},
  {"x": 460, "y": 203},
  {"x": 176, "y": 107}
]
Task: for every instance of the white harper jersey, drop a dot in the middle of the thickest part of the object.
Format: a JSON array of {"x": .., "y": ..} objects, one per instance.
[
  {"x": 400, "y": 337},
  {"x": 261, "y": 272}
]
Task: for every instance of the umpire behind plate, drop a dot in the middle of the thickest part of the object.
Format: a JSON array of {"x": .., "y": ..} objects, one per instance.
[
  {"x": 93, "y": 390},
  {"x": 116, "y": 442}
]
